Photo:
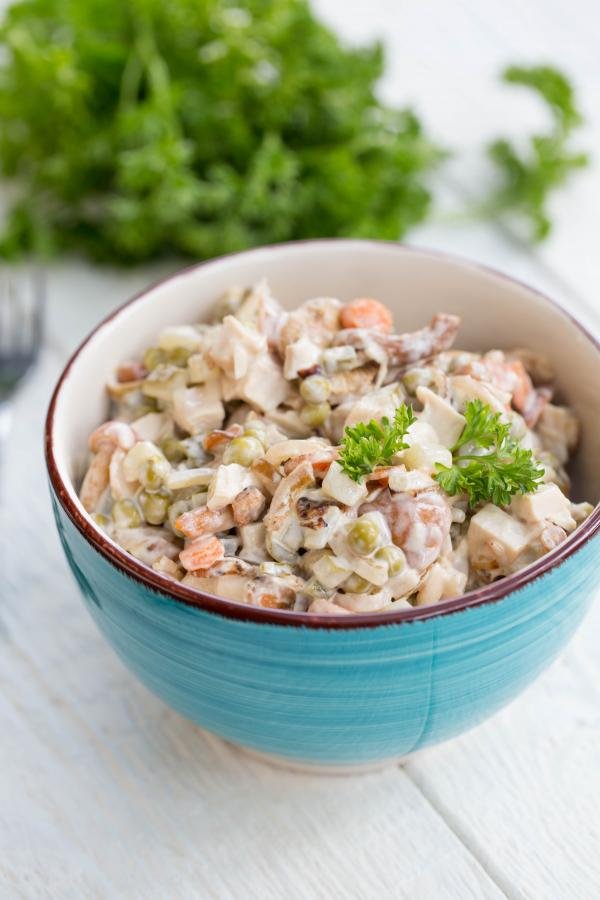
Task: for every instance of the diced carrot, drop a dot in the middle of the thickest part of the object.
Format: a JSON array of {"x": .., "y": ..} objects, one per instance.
[
  {"x": 365, "y": 312},
  {"x": 202, "y": 553}
]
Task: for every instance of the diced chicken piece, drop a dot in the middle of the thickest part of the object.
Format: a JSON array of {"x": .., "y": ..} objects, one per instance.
[
  {"x": 147, "y": 543},
  {"x": 401, "y": 480},
  {"x": 288, "y": 490},
  {"x": 432, "y": 587},
  {"x": 331, "y": 571},
  {"x": 235, "y": 347},
  {"x": 228, "y": 481},
  {"x": 232, "y": 587},
  {"x": 341, "y": 487},
  {"x": 317, "y": 536},
  {"x": 278, "y": 453},
  {"x": 352, "y": 383},
  {"x": 264, "y": 386},
  {"x": 375, "y": 405},
  {"x": 373, "y": 570},
  {"x": 185, "y": 336},
  {"x": 495, "y": 538},
  {"x": 198, "y": 409},
  {"x": 318, "y": 319},
  {"x": 403, "y": 584},
  {"x": 464, "y": 388},
  {"x": 248, "y": 506},
  {"x": 547, "y": 503},
  {"x": 151, "y": 427},
  {"x": 580, "y": 511},
  {"x": 420, "y": 433},
  {"x": 263, "y": 312},
  {"x": 441, "y": 582},
  {"x": 302, "y": 354},
  {"x": 253, "y": 547},
  {"x": 201, "y": 368},
  {"x": 558, "y": 429},
  {"x": 441, "y": 415},
  {"x": 267, "y": 477},
  {"x": 288, "y": 422},
  {"x": 425, "y": 457}
]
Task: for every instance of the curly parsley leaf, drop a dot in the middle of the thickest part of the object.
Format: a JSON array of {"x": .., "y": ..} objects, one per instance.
[
  {"x": 366, "y": 446},
  {"x": 507, "y": 469},
  {"x": 132, "y": 130},
  {"x": 527, "y": 177}
]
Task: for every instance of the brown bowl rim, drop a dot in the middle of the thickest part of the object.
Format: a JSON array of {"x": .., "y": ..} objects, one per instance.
[{"x": 231, "y": 609}]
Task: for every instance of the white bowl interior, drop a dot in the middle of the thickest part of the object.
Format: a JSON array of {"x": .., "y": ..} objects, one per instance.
[{"x": 496, "y": 313}]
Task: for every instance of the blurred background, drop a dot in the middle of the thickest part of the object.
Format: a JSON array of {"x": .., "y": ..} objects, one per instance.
[{"x": 75, "y": 724}]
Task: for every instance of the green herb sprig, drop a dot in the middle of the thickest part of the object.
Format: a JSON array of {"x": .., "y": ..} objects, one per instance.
[
  {"x": 366, "y": 446},
  {"x": 527, "y": 177},
  {"x": 495, "y": 476},
  {"x": 134, "y": 130}
]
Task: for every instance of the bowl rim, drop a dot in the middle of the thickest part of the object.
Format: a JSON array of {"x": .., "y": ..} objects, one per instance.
[{"x": 192, "y": 597}]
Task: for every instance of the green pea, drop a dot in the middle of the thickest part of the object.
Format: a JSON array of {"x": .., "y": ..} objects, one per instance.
[
  {"x": 155, "y": 507},
  {"x": 354, "y": 584},
  {"x": 315, "y": 414},
  {"x": 315, "y": 389},
  {"x": 394, "y": 557},
  {"x": 125, "y": 514},
  {"x": 174, "y": 449},
  {"x": 101, "y": 520},
  {"x": 153, "y": 357},
  {"x": 152, "y": 473},
  {"x": 179, "y": 356},
  {"x": 243, "y": 450},
  {"x": 364, "y": 536}
]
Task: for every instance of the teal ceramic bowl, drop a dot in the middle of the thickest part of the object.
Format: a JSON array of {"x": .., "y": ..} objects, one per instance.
[{"x": 356, "y": 691}]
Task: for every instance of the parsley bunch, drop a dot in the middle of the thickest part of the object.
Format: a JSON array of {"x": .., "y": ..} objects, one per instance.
[
  {"x": 366, "y": 446},
  {"x": 528, "y": 177},
  {"x": 495, "y": 476},
  {"x": 137, "y": 128}
]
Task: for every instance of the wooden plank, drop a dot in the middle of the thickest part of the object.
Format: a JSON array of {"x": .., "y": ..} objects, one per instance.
[{"x": 105, "y": 792}]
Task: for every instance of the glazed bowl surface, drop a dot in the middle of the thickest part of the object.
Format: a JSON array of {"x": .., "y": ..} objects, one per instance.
[{"x": 334, "y": 692}]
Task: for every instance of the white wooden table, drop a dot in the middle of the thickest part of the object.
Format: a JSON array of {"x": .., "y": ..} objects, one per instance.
[{"x": 106, "y": 793}]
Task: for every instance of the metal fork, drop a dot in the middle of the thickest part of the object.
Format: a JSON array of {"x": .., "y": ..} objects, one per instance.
[{"x": 21, "y": 323}]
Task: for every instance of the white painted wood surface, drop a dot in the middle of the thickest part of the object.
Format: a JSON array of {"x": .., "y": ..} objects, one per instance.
[{"x": 105, "y": 793}]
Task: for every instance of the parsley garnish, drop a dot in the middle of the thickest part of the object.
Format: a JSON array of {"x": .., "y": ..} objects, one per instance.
[
  {"x": 507, "y": 468},
  {"x": 366, "y": 446},
  {"x": 527, "y": 177},
  {"x": 132, "y": 130}
]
